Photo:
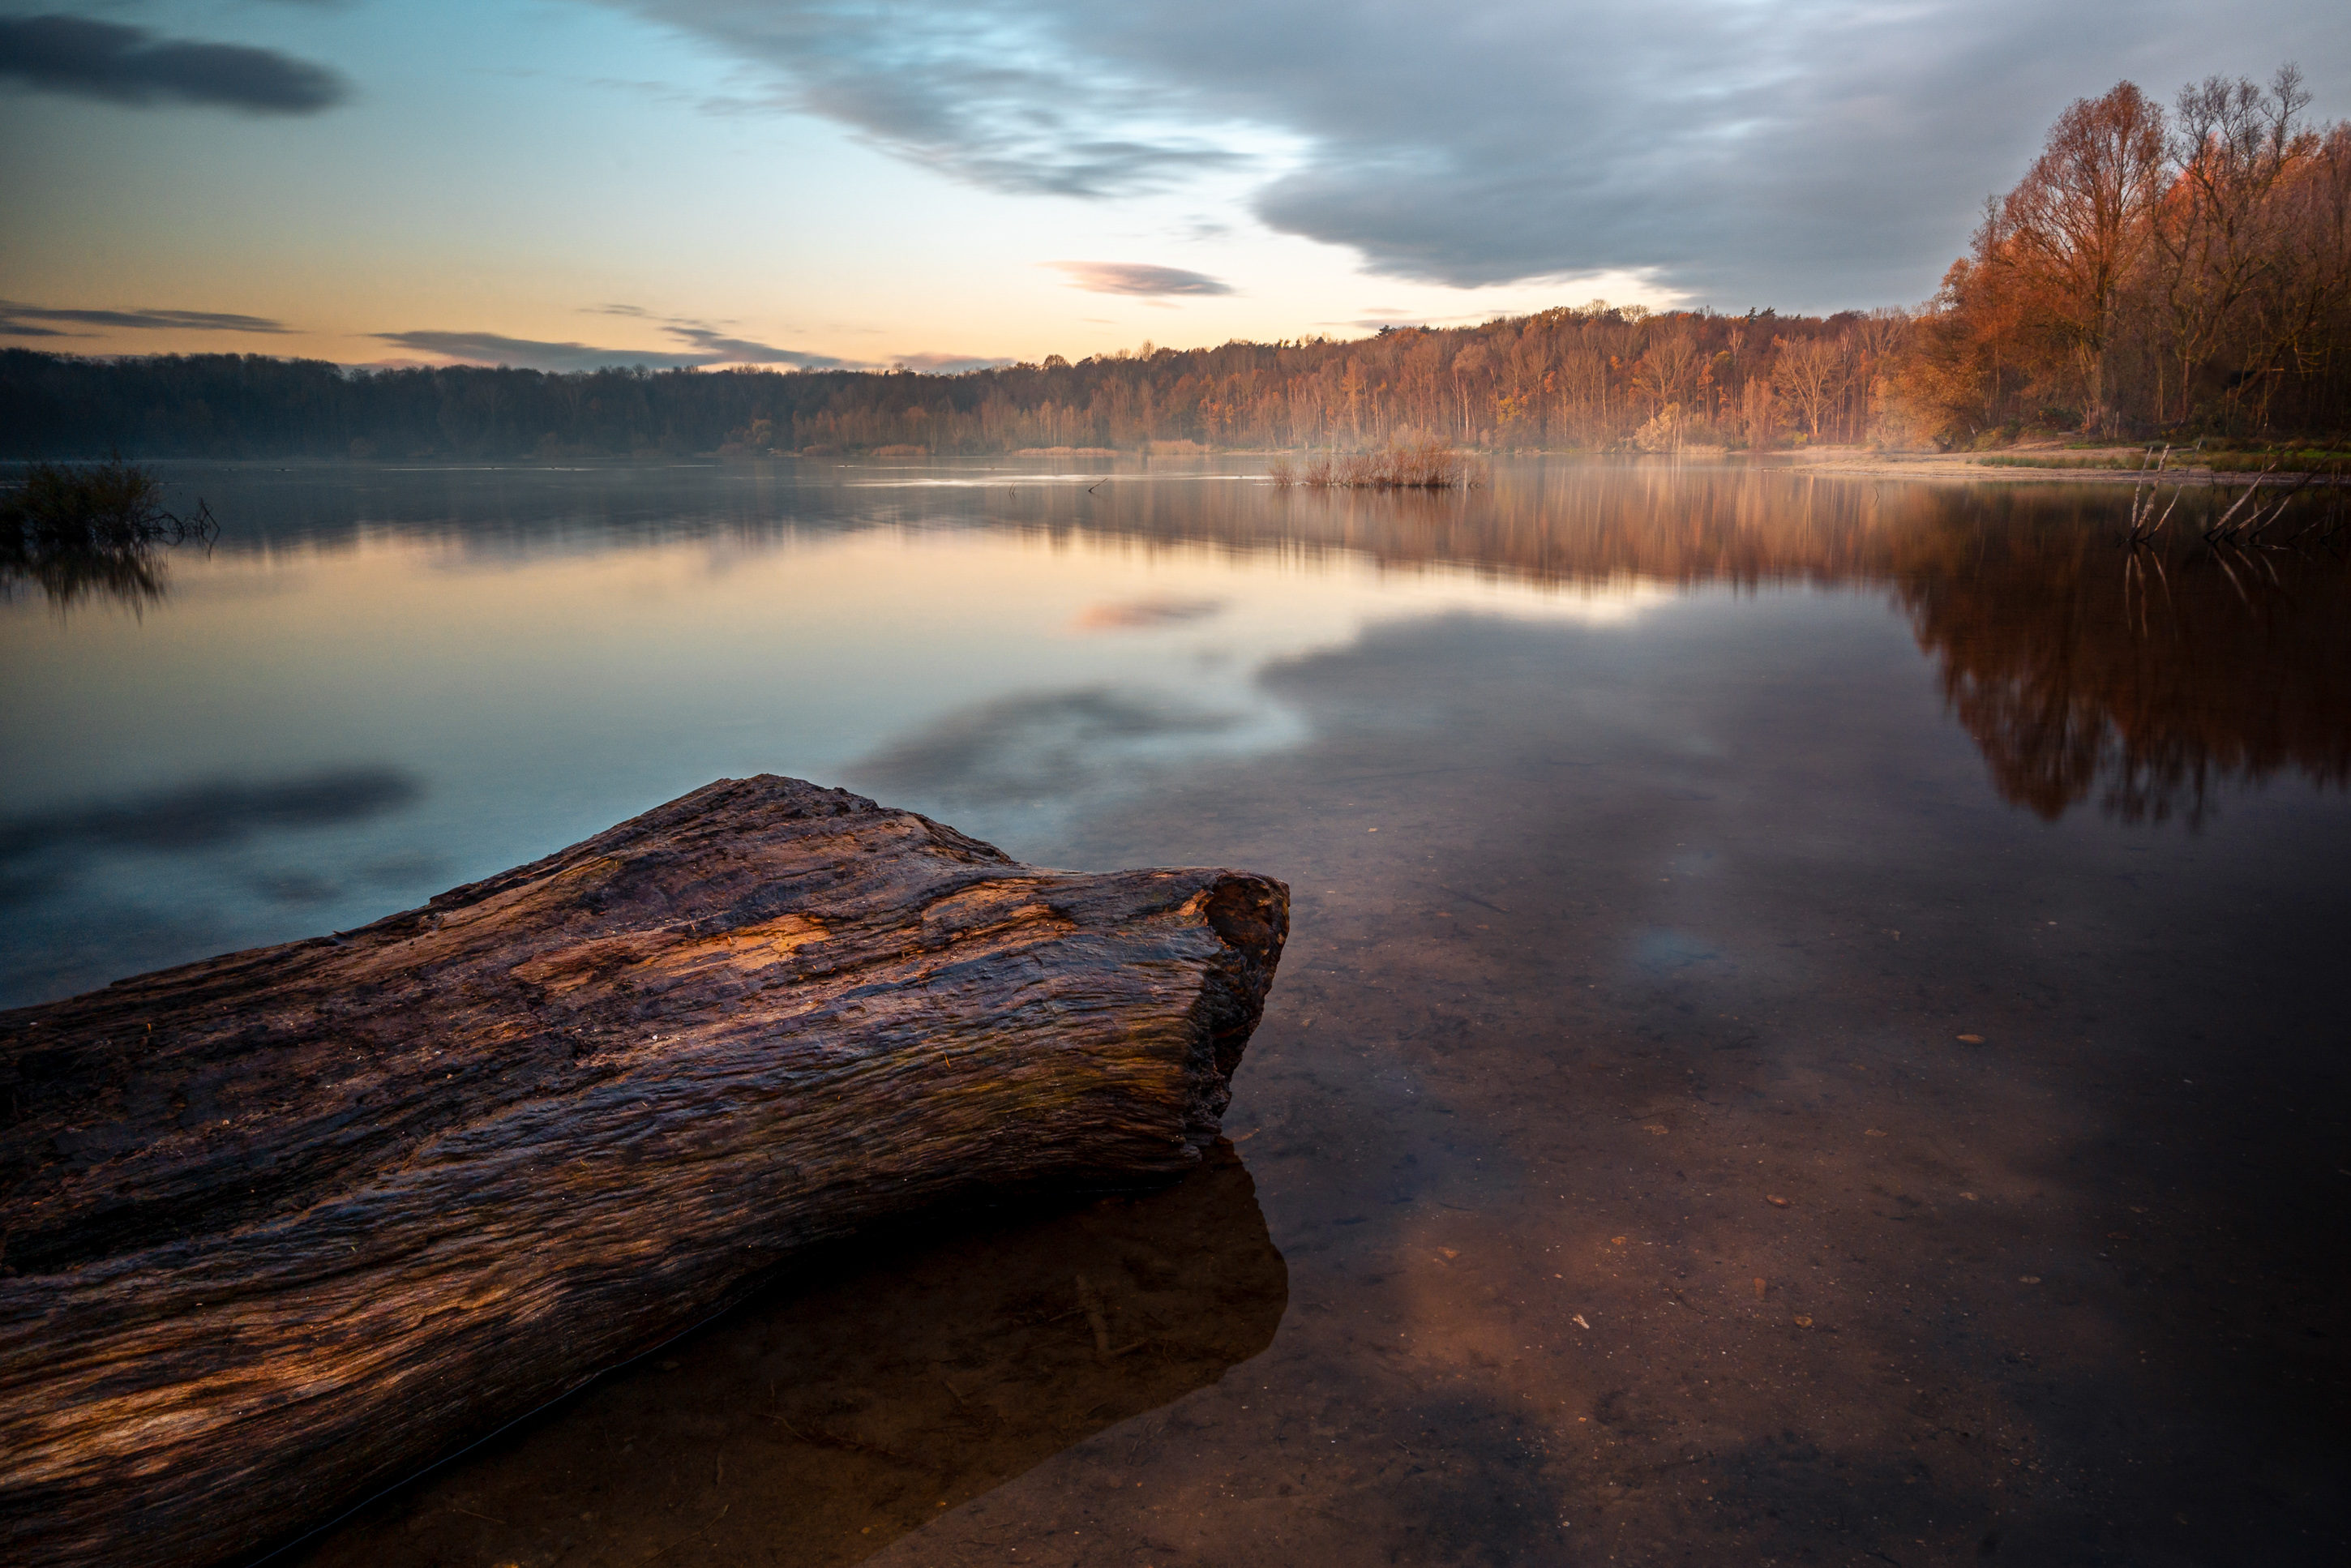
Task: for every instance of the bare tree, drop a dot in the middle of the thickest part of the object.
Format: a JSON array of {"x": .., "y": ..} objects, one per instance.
[
  {"x": 1667, "y": 374},
  {"x": 1809, "y": 372},
  {"x": 2214, "y": 235},
  {"x": 2079, "y": 220},
  {"x": 1469, "y": 365},
  {"x": 1759, "y": 413},
  {"x": 2301, "y": 308}
]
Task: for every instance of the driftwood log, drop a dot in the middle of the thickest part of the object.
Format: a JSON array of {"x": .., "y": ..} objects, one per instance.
[{"x": 283, "y": 1224}]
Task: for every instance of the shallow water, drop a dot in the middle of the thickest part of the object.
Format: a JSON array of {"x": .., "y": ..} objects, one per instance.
[{"x": 1811, "y": 1032}]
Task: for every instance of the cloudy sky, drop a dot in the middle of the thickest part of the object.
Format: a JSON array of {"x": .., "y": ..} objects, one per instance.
[{"x": 940, "y": 182}]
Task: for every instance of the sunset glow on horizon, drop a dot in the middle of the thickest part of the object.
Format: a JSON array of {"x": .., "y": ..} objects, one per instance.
[{"x": 562, "y": 183}]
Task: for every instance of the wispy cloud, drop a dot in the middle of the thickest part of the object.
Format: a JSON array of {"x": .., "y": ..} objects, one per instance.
[
  {"x": 1376, "y": 318},
  {"x": 531, "y": 353},
  {"x": 1137, "y": 279},
  {"x": 993, "y": 91},
  {"x": 44, "y": 321},
  {"x": 721, "y": 348},
  {"x": 947, "y": 364},
  {"x": 708, "y": 347},
  {"x": 126, "y": 65},
  {"x": 703, "y": 344},
  {"x": 710, "y": 343}
]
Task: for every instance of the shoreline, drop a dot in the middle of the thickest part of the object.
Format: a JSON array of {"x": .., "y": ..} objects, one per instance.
[
  {"x": 1860, "y": 463},
  {"x": 1841, "y": 462}
]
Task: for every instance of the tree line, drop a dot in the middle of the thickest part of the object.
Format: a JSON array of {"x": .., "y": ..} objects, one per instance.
[
  {"x": 1596, "y": 377},
  {"x": 2181, "y": 270},
  {"x": 2184, "y": 268}
]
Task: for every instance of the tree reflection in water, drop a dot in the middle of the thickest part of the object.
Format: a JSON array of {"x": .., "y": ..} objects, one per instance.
[
  {"x": 2149, "y": 677},
  {"x": 2145, "y": 677}
]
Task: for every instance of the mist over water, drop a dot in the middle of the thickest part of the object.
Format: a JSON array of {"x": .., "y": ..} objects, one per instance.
[{"x": 1806, "y": 1028}]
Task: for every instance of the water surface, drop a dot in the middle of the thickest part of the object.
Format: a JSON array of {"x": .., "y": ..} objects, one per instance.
[{"x": 1812, "y": 1030}]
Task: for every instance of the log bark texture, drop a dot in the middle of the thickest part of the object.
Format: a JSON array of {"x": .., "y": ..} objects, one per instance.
[{"x": 283, "y": 1224}]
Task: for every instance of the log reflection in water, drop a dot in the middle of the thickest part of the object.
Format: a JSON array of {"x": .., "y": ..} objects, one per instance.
[{"x": 820, "y": 1422}]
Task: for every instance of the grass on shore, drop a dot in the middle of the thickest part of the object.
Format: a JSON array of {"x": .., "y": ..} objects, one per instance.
[{"x": 2186, "y": 461}]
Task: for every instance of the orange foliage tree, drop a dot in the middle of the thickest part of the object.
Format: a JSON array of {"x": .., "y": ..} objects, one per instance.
[{"x": 2186, "y": 269}]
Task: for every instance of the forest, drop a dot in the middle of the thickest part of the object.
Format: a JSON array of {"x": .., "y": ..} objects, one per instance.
[{"x": 2177, "y": 271}]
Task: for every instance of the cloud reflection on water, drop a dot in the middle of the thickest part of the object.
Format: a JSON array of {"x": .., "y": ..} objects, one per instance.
[
  {"x": 1028, "y": 747},
  {"x": 206, "y": 813},
  {"x": 1136, "y": 613}
]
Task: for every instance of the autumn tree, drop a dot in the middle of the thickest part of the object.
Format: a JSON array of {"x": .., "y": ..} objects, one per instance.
[
  {"x": 1809, "y": 373},
  {"x": 1667, "y": 374},
  {"x": 2075, "y": 226},
  {"x": 2214, "y": 232},
  {"x": 2153, "y": 271}
]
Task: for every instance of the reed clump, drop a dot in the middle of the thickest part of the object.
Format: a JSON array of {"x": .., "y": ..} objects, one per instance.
[
  {"x": 112, "y": 504},
  {"x": 1422, "y": 465},
  {"x": 87, "y": 528}
]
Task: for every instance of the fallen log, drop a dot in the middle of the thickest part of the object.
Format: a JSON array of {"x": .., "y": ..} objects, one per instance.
[{"x": 282, "y": 1226}]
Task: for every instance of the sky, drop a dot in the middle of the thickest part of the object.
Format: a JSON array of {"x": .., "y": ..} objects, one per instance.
[{"x": 947, "y": 183}]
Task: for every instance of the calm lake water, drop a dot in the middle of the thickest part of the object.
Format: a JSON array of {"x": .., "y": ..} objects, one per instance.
[{"x": 1814, "y": 1029}]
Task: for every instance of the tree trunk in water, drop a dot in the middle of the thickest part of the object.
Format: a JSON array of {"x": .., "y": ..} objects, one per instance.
[{"x": 283, "y": 1224}]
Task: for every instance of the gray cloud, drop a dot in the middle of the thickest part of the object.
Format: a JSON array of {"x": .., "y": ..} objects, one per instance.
[
  {"x": 528, "y": 353},
  {"x": 711, "y": 346},
  {"x": 987, "y": 93},
  {"x": 1137, "y": 277},
  {"x": 946, "y": 364},
  {"x": 119, "y": 64},
  {"x": 718, "y": 347},
  {"x": 1796, "y": 153},
  {"x": 707, "y": 348},
  {"x": 41, "y": 322}
]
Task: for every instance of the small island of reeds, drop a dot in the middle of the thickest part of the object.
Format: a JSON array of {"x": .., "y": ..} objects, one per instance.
[
  {"x": 1426, "y": 465},
  {"x": 91, "y": 527}
]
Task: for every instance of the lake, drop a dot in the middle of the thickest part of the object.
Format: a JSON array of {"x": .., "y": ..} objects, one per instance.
[{"x": 1813, "y": 1026}]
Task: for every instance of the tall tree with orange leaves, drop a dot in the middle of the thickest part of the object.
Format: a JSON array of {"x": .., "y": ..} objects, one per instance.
[{"x": 2076, "y": 227}]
